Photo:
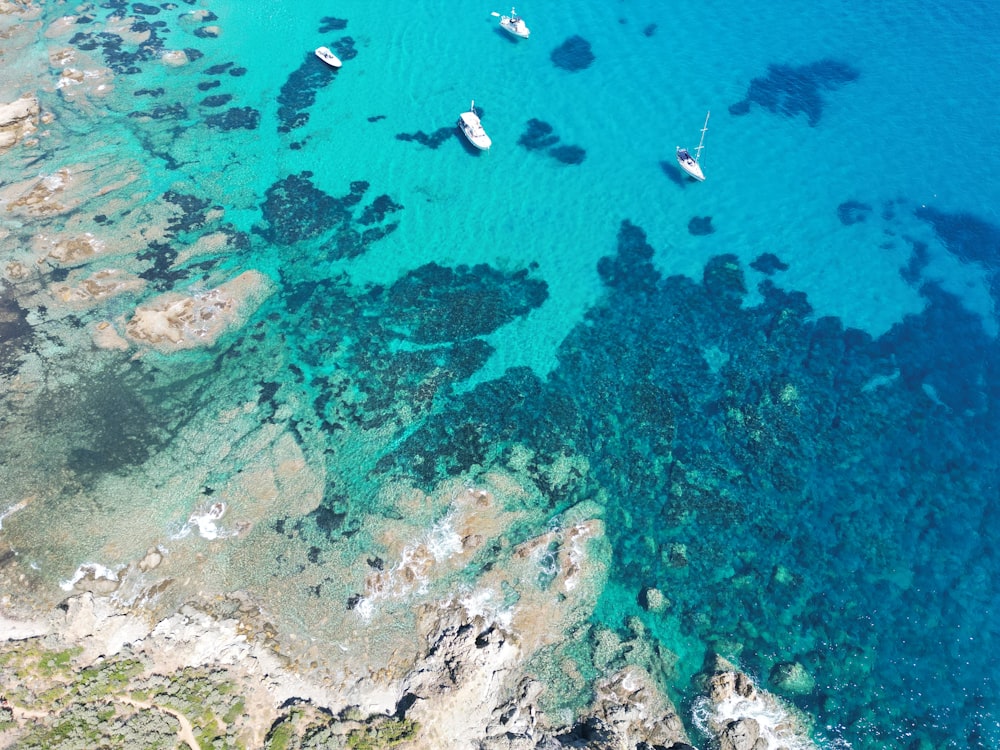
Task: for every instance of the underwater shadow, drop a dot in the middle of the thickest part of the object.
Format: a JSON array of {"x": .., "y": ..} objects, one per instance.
[{"x": 674, "y": 174}]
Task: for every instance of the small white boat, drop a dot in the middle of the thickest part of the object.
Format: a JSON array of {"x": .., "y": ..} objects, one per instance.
[
  {"x": 472, "y": 128},
  {"x": 514, "y": 24},
  {"x": 690, "y": 163},
  {"x": 324, "y": 54}
]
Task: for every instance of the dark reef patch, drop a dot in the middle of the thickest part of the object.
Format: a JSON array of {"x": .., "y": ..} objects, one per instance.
[
  {"x": 789, "y": 90},
  {"x": 121, "y": 429},
  {"x": 970, "y": 239},
  {"x": 649, "y": 30},
  {"x": 702, "y": 417},
  {"x": 344, "y": 48},
  {"x": 295, "y": 210},
  {"x": 175, "y": 111},
  {"x": 331, "y": 23},
  {"x": 918, "y": 260},
  {"x": 218, "y": 70},
  {"x": 235, "y": 118},
  {"x": 965, "y": 235},
  {"x": 699, "y": 226},
  {"x": 574, "y": 54},
  {"x": 13, "y": 319},
  {"x": 853, "y": 212},
  {"x": 379, "y": 208},
  {"x": 298, "y": 93},
  {"x": 540, "y": 135},
  {"x": 208, "y": 85},
  {"x": 568, "y": 154},
  {"x": 768, "y": 264},
  {"x": 123, "y": 58},
  {"x": 431, "y": 140},
  {"x": 443, "y": 304},
  {"x": 218, "y": 100}
]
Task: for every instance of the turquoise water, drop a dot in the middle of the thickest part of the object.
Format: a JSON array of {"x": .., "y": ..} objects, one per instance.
[{"x": 799, "y": 450}]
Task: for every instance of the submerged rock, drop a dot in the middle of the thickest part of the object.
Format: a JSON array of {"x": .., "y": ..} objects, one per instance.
[{"x": 792, "y": 678}]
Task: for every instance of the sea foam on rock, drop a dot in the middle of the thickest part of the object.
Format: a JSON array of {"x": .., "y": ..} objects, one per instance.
[{"x": 741, "y": 716}]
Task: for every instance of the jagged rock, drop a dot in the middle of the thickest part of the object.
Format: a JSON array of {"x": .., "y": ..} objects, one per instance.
[
  {"x": 18, "y": 119},
  {"x": 743, "y": 717},
  {"x": 631, "y": 709},
  {"x": 731, "y": 684},
  {"x": 742, "y": 734}
]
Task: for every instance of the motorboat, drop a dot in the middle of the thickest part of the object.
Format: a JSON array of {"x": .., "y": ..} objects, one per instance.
[
  {"x": 690, "y": 163},
  {"x": 472, "y": 128},
  {"x": 324, "y": 54},
  {"x": 514, "y": 24}
]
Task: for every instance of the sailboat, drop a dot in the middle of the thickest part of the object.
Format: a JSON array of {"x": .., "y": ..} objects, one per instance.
[{"x": 690, "y": 164}]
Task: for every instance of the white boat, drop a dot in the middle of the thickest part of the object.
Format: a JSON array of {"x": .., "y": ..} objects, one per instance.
[
  {"x": 324, "y": 54},
  {"x": 690, "y": 163},
  {"x": 472, "y": 128},
  {"x": 514, "y": 24}
]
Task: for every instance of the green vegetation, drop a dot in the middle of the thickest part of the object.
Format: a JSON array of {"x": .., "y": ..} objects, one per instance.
[
  {"x": 88, "y": 706},
  {"x": 382, "y": 734},
  {"x": 280, "y": 736}
]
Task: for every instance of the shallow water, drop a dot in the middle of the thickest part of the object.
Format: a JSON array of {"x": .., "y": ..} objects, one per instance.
[{"x": 779, "y": 385}]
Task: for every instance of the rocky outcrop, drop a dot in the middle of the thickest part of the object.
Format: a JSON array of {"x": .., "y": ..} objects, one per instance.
[
  {"x": 741, "y": 716},
  {"x": 174, "y": 321},
  {"x": 18, "y": 120},
  {"x": 480, "y": 674}
]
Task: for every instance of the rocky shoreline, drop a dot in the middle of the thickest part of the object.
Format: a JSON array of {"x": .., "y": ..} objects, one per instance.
[
  {"x": 96, "y": 674},
  {"x": 465, "y": 691}
]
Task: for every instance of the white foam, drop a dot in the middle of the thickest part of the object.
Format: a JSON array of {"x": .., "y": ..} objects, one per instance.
[
  {"x": 439, "y": 543},
  {"x": 577, "y": 552},
  {"x": 778, "y": 727},
  {"x": 205, "y": 523},
  {"x": 94, "y": 570},
  {"x": 11, "y": 510}
]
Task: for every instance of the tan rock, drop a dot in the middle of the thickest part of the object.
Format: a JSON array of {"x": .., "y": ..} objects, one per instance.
[
  {"x": 175, "y": 58},
  {"x": 173, "y": 321},
  {"x": 72, "y": 250},
  {"x": 43, "y": 196},
  {"x": 18, "y": 119},
  {"x": 98, "y": 286}
]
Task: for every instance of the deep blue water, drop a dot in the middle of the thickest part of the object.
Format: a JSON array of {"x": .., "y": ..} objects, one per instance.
[{"x": 783, "y": 380}]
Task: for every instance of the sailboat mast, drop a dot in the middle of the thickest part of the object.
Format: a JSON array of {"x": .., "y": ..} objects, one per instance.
[{"x": 701, "y": 143}]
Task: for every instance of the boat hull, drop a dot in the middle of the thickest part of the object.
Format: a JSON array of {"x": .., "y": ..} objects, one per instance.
[
  {"x": 480, "y": 141},
  {"x": 518, "y": 29},
  {"x": 691, "y": 167},
  {"x": 324, "y": 54},
  {"x": 473, "y": 130}
]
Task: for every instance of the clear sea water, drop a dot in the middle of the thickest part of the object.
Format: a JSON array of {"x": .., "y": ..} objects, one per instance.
[{"x": 814, "y": 434}]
